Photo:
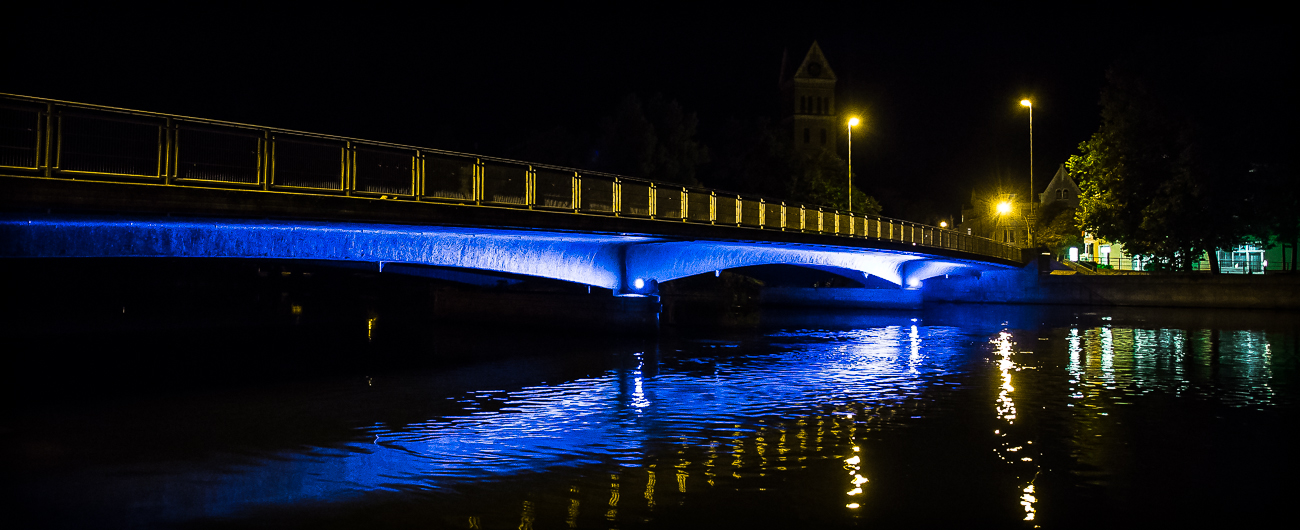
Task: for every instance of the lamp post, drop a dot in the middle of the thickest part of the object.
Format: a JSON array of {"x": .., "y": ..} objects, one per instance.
[
  {"x": 852, "y": 122},
  {"x": 1030, "y": 200}
]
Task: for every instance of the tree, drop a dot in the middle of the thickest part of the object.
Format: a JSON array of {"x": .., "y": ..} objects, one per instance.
[
  {"x": 758, "y": 157},
  {"x": 1167, "y": 174},
  {"x": 752, "y": 156},
  {"x": 653, "y": 139},
  {"x": 1057, "y": 229},
  {"x": 822, "y": 178}
]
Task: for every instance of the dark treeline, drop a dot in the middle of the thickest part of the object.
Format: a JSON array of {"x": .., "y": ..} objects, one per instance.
[{"x": 656, "y": 138}]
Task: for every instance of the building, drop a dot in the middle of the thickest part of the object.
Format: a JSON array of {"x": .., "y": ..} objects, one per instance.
[
  {"x": 1001, "y": 217},
  {"x": 1061, "y": 192},
  {"x": 808, "y": 102},
  {"x": 1005, "y": 217}
]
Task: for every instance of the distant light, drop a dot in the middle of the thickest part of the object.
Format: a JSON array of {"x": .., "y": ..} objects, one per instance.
[
  {"x": 853, "y": 122},
  {"x": 638, "y": 283},
  {"x": 1074, "y": 253},
  {"x": 1026, "y": 103},
  {"x": 914, "y": 283},
  {"x": 1004, "y": 207},
  {"x": 943, "y": 224}
]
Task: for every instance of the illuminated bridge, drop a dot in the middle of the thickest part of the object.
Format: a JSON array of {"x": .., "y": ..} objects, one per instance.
[{"x": 90, "y": 181}]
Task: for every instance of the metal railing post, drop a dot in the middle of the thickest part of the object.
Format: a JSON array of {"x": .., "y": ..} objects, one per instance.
[
  {"x": 617, "y": 188},
  {"x": 530, "y": 187},
  {"x": 349, "y": 167},
  {"x": 684, "y": 197},
  {"x": 167, "y": 151},
  {"x": 575, "y": 191},
  {"x": 478, "y": 181}
]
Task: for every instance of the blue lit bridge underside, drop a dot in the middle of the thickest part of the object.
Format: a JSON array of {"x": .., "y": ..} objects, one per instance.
[{"x": 628, "y": 264}]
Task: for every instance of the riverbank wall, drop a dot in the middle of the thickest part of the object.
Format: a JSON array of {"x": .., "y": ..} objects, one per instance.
[{"x": 1031, "y": 286}]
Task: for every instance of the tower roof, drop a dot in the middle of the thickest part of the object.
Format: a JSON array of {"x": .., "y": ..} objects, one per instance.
[{"x": 814, "y": 66}]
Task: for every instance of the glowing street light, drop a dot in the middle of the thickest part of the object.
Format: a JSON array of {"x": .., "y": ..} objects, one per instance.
[
  {"x": 1004, "y": 207},
  {"x": 1030, "y": 218},
  {"x": 852, "y": 122}
]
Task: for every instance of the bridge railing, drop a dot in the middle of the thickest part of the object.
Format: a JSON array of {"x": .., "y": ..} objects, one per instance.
[{"x": 65, "y": 140}]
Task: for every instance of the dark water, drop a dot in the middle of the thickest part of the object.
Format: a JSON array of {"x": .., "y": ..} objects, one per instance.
[{"x": 1002, "y": 416}]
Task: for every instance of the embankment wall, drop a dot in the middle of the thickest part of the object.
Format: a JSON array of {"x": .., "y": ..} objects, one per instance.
[{"x": 1029, "y": 286}]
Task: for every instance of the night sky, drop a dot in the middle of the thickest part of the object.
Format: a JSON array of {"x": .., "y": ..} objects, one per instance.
[{"x": 939, "y": 90}]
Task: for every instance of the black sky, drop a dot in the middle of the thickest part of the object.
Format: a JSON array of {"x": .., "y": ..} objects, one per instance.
[{"x": 939, "y": 89}]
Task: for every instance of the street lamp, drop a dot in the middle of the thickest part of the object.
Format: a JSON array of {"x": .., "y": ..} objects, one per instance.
[
  {"x": 1003, "y": 208},
  {"x": 1030, "y": 200},
  {"x": 852, "y": 122}
]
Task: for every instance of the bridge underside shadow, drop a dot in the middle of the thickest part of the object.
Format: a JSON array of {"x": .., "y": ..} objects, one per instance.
[{"x": 628, "y": 264}]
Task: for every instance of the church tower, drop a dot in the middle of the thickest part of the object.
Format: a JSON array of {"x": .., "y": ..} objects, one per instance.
[{"x": 808, "y": 102}]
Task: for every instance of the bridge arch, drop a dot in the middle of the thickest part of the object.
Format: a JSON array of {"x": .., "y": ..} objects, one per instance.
[{"x": 611, "y": 261}]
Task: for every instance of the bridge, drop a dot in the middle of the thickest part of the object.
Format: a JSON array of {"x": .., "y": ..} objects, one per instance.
[{"x": 83, "y": 180}]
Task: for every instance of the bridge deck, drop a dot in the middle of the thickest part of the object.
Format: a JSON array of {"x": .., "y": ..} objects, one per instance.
[{"x": 87, "y": 158}]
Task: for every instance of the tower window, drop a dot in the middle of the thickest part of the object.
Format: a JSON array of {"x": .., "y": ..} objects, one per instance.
[
  {"x": 819, "y": 105},
  {"x": 823, "y": 136},
  {"x": 806, "y": 136},
  {"x": 803, "y": 104}
]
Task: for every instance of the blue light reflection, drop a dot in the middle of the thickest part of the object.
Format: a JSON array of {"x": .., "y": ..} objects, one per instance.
[{"x": 616, "y": 417}]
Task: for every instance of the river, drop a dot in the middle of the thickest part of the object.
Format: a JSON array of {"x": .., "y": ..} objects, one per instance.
[{"x": 993, "y": 415}]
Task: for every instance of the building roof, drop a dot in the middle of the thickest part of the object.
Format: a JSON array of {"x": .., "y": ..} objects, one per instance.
[{"x": 815, "y": 67}]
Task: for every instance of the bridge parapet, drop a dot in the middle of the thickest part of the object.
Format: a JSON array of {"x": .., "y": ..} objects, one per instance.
[{"x": 50, "y": 139}]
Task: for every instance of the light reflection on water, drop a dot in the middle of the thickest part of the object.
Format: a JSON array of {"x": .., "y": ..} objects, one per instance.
[
  {"x": 613, "y": 417},
  {"x": 769, "y": 411}
]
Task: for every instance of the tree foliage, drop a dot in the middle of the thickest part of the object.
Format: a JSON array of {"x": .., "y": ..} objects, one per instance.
[
  {"x": 1169, "y": 174},
  {"x": 653, "y": 139},
  {"x": 823, "y": 178},
  {"x": 757, "y": 157},
  {"x": 1057, "y": 229}
]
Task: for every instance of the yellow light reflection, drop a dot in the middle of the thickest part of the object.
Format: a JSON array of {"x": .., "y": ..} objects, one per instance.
[
  {"x": 1006, "y": 407},
  {"x": 1006, "y": 410},
  {"x": 854, "y": 466},
  {"x": 613, "y": 499},
  {"x": 1027, "y": 500},
  {"x": 526, "y": 520},
  {"x": 650, "y": 490},
  {"x": 572, "y": 521}
]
